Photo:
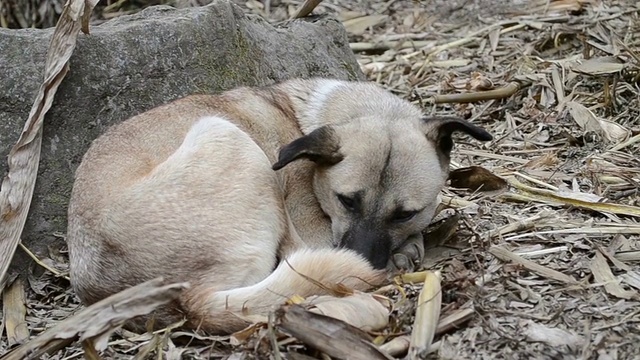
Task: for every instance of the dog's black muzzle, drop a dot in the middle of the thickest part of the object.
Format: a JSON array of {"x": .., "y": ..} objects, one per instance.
[{"x": 370, "y": 242}]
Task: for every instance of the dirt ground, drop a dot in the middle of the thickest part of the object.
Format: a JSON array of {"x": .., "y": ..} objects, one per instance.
[{"x": 538, "y": 241}]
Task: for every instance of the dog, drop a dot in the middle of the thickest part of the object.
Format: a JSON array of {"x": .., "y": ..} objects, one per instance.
[{"x": 257, "y": 194}]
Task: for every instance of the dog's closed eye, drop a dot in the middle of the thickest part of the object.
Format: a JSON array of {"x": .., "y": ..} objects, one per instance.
[
  {"x": 401, "y": 216},
  {"x": 348, "y": 202}
]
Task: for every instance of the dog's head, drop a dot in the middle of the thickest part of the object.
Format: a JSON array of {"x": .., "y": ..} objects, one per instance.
[{"x": 379, "y": 181}]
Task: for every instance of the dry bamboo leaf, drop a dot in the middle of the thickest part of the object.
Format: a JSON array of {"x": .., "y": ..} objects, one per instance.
[
  {"x": 439, "y": 233},
  {"x": 14, "y": 312},
  {"x": 427, "y": 316},
  {"x": 331, "y": 336},
  {"x": 632, "y": 278},
  {"x": 398, "y": 346},
  {"x": 476, "y": 178},
  {"x": 599, "y": 66},
  {"x": 359, "y": 25},
  {"x": 24, "y": 156},
  {"x": 588, "y": 121},
  {"x": 580, "y": 200},
  {"x": 617, "y": 263},
  {"x": 349, "y": 14},
  {"x": 412, "y": 278},
  {"x": 100, "y": 319},
  {"x": 494, "y": 38},
  {"x": 551, "y": 335},
  {"x": 541, "y": 162},
  {"x": 506, "y": 255},
  {"x": 454, "y": 320},
  {"x": 633, "y": 255},
  {"x": 241, "y": 337},
  {"x": 602, "y": 274},
  {"x": 365, "y": 311}
]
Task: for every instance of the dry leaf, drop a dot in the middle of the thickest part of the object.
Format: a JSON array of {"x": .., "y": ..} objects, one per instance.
[
  {"x": 550, "y": 335},
  {"x": 348, "y": 15},
  {"x": 632, "y": 278},
  {"x": 331, "y": 336},
  {"x": 494, "y": 38},
  {"x": 398, "y": 346},
  {"x": 365, "y": 311},
  {"x": 427, "y": 316},
  {"x": 479, "y": 82},
  {"x": 18, "y": 185},
  {"x": 580, "y": 200},
  {"x": 359, "y": 25},
  {"x": 599, "y": 66},
  {"x": 602, "y": 274},
  {"x": 476, "y": 178},
  {"x": 14, "y": 311},
  {"x": 588, "y": 121},
  {"x": 542, "y": 162},
  {"x": 506, "y": 255}
]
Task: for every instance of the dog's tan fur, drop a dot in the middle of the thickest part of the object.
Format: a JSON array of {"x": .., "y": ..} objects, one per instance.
[{"x": 187, "y": 191}]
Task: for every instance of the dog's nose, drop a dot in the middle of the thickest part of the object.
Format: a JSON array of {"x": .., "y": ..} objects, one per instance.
[{"x": 372, "y": 244}]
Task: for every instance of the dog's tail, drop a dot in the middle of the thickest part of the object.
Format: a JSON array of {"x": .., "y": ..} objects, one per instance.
[{"x": 305, "y": 272}]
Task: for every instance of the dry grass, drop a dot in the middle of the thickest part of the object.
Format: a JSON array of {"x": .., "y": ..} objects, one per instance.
[{"x": 546, "y": 265}]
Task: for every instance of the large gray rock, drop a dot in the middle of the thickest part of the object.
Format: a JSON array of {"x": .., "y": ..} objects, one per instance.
[{"x": 133, "y": 63}]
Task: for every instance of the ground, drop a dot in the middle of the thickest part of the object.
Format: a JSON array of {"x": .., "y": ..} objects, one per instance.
[{"x": 539, "y": 238}]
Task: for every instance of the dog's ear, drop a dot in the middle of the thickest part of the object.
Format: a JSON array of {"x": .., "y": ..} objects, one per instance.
[
  {"x": 321, "y": 146},
  {"x": 440, "y": 129}
]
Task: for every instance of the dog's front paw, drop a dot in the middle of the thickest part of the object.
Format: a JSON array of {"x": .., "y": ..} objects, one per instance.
[{"x": 408, "y": 257}]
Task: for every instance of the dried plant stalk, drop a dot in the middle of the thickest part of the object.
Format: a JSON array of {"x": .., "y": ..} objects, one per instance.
[{"x": 427, "y": 315}]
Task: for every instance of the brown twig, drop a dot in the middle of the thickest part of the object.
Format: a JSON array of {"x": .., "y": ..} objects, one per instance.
[{"x": 500, "y": 93}]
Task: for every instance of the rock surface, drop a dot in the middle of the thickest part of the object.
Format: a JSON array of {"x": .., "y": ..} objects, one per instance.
[{"x": 133, "y": 63}]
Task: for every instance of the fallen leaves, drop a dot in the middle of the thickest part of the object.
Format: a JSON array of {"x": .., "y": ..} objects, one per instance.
[
  {"x": 588, "y": 121},
  {"x": 94, "y": 324}
]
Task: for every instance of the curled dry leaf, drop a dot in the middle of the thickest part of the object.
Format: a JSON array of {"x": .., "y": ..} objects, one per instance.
[
  {"x": 476, "y": 178},
  {"x": 480, "y": 82},
  {"x": 368, "y": 312},
  {"x": 18, "y": 185},
  {"x": 427, "y": 315},
  {"x": 14, "y": 312},
  {"x": 331, "y": 336},
  {"x": 588, "y": 121}
]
